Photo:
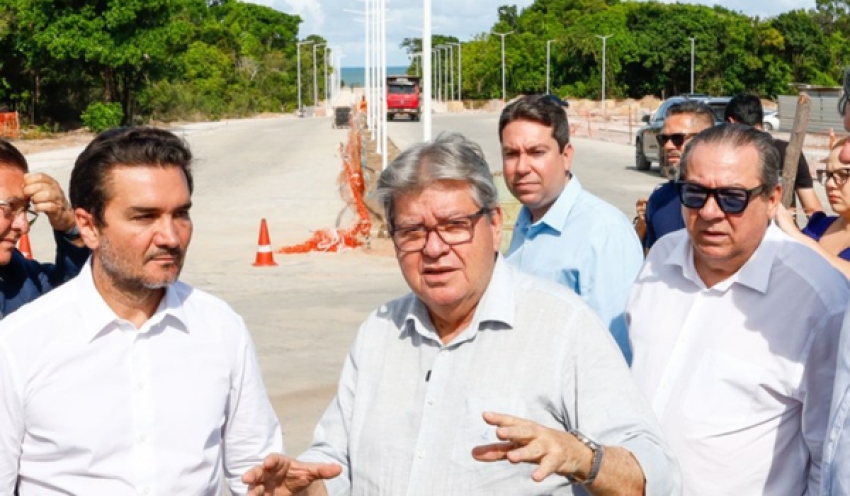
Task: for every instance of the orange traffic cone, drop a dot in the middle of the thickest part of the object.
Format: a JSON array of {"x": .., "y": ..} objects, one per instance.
[
  {"x": 24, "y": 246},
  {"x": 265, "y": 257}
]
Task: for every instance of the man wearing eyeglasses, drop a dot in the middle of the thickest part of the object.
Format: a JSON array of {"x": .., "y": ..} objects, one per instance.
[
  {"x": 483, "y": 380},
  {"x": 681, "y": 123},
  {"x": 735, "y": 327},
  {"x": 564, "y": 233},
  {"x": 22, "y": 197}
]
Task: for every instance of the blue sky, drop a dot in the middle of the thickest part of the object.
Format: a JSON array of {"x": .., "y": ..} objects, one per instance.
[{"x": 460, "y": 18}]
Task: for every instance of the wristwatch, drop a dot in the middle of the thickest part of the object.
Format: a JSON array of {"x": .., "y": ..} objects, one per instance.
[{"x": 597, "y": 450}]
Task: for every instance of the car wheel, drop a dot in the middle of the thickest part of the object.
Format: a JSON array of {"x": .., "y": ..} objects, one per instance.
[{"x": 641, "y": 163}]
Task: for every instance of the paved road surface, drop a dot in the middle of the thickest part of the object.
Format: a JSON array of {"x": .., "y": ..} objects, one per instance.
[{"x": 304, "y": 313}]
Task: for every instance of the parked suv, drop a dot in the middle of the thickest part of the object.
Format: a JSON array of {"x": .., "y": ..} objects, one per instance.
[{"x": 646, "y": 145}]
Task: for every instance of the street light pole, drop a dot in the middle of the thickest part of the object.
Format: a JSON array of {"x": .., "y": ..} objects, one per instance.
[
  {"x": 459, "y": 69},
  {"x": 327, "y": 89},
  {"x": 502, "y": 35},
  {"x": 548, "y": 55},
  {"x": 692, "y": 64},
  {"x": 298, "y": 63},
  {"x": 315, "y": 79},
  {"x": 425, "y": 58},
  {"x": 604, "y": 47}
]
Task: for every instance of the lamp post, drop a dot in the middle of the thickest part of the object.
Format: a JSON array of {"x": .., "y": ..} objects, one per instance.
[
  {"x": 604, "y": 46},
  {"x": 459, "y": 69},
  {"x": 327, "y": 89},
  {"x": 298, "y": 60},
  {"x": 692, "y": 64},
  {"x": 426, "y": 69},
  {"x": 548, "y": 55},
  {"x": 502, "y": 35},
  {"x": 315, "y": 79},
  {"x": 450, "y": 75}
]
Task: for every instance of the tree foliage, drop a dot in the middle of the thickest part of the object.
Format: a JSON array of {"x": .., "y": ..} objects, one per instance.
[{"x": 649, "y": 49}]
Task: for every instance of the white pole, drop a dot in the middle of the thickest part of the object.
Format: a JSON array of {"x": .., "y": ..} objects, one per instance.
[
  {"x": 298, "y": 63},
  {"x": 459, "y": 70},
  {"x": 327, "y": 94},
  {"x": 384, "y": 83},
  {"x": 367, "y": 69},
  {"x": 604, "y": 47},
  {"x": 451, "y": 72},
  {"x": 315, "y": 79},
  {"x": 548, "y": 56},
  {"x": 426, "y": 70},
  {"x": 692, "y": 64},
  {"x": 502, "y": 35}
]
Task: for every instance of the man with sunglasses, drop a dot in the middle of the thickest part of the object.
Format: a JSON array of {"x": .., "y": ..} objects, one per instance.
[
  {"x": 682, "y": 122},
  {"x": 735, "y": 327},
  {"x": 22, "y": 197},
  {"x": 746, "y": 108},
  {"x": 564, "y": 233}
]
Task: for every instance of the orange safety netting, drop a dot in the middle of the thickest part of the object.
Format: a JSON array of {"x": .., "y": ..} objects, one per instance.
[
  {"x": 9, "y": 126},
  {"x": 352, "y": 188}
]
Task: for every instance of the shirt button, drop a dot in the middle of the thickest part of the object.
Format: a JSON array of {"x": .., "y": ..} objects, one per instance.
[
  {"x": 146, "y": 490},
  {"x": 143, "y": 438},
  {"x": 430, "y": 401},
  {"x": 140, "y": 385},
  {"x": 421, "y": 455}
]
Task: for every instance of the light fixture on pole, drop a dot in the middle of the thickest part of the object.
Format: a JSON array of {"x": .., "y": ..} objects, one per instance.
[
  {"x": 692, "y": 64},
  {"x": 604, "y": 47},
  {"x": 298, "y": 63},
  {"x": 315, "y": 79},
  {"x": 502, "y": 35},
  {"x": 459, "y": 69},
  {"x": 548, "y": 56}
]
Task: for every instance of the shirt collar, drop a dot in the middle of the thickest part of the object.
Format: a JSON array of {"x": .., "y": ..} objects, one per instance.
[
  {"x": 754, "y": 274},
  {"x": 496, "y": 309},
  {"x": 557, "y": 215},
  {"x": 99, "y": 319}
]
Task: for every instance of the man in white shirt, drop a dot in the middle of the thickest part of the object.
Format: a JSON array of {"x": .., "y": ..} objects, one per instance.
[
  {"x": 125, "y": 380},
  {"x": 735, "y": 327}
]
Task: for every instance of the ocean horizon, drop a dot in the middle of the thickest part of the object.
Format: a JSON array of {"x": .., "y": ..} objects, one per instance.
[{"x": 356, "y": 76}]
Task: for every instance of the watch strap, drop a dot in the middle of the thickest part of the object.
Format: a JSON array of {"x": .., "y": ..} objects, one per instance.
[{"x": 598, "y": 450}]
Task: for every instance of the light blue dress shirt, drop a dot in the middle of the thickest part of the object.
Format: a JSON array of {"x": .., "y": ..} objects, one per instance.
[
  {"x": 587, "y": 245},
  {"x": 835, "y": 474}
]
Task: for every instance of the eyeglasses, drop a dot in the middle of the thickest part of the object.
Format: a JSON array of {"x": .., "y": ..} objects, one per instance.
[
  {"x": 452, "y": 231},
  {"x": 10, "y": 212},
  {"x": 678, "y": 139},
  {"x": 840, "y": 176},
  {"x": 730, "y": 200}
]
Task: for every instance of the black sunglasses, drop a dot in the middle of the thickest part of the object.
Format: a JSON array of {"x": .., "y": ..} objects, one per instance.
[
  {"x": 730, "y": 200},
  {"x": 678, "y": 139}
]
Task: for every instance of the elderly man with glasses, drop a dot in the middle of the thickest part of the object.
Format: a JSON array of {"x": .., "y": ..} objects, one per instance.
[
  {"x": 735, "y": 327},
  {"x": 22, "y": 197},
  {"x": 483, "y": 380}
]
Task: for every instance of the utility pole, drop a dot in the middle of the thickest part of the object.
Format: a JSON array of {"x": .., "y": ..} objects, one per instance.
[
  {"x": 459, "y": 69},
  {"x": 425, "y": 58},
  {"x": 315, "y": 78},
  {"x": 298, "y": 63},
  {"x": 604, "y": 47},
  {"x": 502, "y": 35},
  {"x": 548, "y": 56},
  {"x": 692, "y": 64}
]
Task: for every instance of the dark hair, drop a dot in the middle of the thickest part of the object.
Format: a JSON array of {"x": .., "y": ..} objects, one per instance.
[
  {"x": 123, "y": 147},
  {"x": 542, "y": 110},
  {"x": 700, "y": 111},
  {"x": 12, "y": 157},
  {"x": 739, "y": 136},
  {"x": 745, "y": 108},
  {"x": 449, "y": 157}
]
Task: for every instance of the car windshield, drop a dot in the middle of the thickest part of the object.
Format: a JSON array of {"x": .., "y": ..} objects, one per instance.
[{"x": 402, "y": 89}]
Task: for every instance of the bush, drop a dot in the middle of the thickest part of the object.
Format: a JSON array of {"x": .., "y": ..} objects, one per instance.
[{"x": 102, "y": 116}]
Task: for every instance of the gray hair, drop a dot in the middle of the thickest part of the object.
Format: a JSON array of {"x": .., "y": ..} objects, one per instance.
[
  {"x": 449, "y": 157},
  {"x": 739, "y": 136}
]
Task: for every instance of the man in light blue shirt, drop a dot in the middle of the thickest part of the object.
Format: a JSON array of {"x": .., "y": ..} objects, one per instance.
[{"x": 564, "y": 233}]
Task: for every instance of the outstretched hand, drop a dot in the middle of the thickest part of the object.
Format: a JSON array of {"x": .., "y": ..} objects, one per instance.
[
  {"x": 526, "y": 441},
  {"x": 280, "y": 475}
]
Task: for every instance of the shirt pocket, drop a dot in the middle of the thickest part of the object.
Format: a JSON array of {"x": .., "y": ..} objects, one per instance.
[
  {"x": 722, "y": 394},
  {"x": 474, "y": 431}
]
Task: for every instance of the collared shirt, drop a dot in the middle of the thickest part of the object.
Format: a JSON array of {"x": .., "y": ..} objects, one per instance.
[
  {"x": 740, "y": 375},
  {"x": 408, "y": 411},
  {"x": 22, "y": 280},
  {"x": 663, "y": 213},
  {"x": 586, "y": 245},
  {"x": 91, "y": 406}
]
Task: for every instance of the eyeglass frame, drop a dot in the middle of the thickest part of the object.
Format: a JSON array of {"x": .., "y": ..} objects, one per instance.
[
  {"x": 472, "y": 218},
  {"x": 827, "y": 175},
  {"x": 716, "y": 193},
  {"x": 4, "y": 204},
  {"x": 662, "y": 138}
]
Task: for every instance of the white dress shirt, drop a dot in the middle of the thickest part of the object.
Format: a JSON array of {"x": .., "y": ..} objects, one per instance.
[
  {"x": 408, "y": 409},
  {"x": 89, "y": 405},
  {"x": 740, "y": 375}
]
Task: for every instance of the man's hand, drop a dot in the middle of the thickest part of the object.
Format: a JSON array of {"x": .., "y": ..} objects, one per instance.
[
  {"x": 48, "y": 198},
  {"x": 280, "y": 475},
  {"x": 640, "y": 219},
  {"x": 526, "y": 441}
]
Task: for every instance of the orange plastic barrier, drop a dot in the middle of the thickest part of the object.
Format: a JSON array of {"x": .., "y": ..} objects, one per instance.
[
  {"x": 352, "y": 187},
  {"x": 9, "y": 125}
]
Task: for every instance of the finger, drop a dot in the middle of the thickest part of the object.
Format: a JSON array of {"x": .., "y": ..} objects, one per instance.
[
  {"x": 501, "y": 419},
  {"x": 492, "y": 452},
  {"x": 314, "y": 471}
]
